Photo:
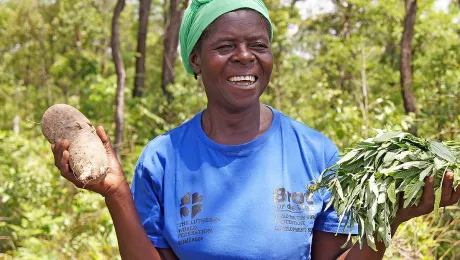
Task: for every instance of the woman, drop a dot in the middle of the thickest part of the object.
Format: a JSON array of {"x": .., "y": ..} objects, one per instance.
[{"x": 232, "y": 182}]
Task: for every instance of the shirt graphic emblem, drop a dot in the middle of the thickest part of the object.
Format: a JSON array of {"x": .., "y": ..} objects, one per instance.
[
  {"x": 196, "y": 204},
  {"x": 193, "y": 229},
  {"x": 294, "y": 211}
]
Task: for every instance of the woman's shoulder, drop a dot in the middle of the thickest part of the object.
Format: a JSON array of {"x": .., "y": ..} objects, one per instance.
[
  {"x": 167, "y": 140},
  {"x": 302, "y": 130},
  {"x": 311, "y": 141}
]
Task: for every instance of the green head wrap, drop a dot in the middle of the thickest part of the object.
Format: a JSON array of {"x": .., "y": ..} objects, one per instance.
[{"x": 201, "y": 13}]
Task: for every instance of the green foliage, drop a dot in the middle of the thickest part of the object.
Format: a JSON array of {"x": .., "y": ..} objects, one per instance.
[
  {"x": 428, "y": 238},
  {"x": 337, "y": 72},
  {"x": 44, "y": 214},
  {"x": 379, "y": 173}
]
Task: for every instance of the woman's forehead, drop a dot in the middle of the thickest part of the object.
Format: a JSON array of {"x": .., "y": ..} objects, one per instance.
[{"x": 249, "y": 18}]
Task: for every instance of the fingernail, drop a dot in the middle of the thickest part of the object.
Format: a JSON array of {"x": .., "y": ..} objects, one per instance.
[
  {"x": 431, "y": 179},
  {"x": 450, "y": 176}
]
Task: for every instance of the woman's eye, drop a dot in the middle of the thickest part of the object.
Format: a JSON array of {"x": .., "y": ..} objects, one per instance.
[
  {"x": 224, "y": 48},
  {"x": 259, "y": 46}
]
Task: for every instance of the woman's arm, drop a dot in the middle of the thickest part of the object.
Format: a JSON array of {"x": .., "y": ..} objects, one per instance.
[
  {"x": 133, "y": 241},
  {"x": 327, "y": 246}
]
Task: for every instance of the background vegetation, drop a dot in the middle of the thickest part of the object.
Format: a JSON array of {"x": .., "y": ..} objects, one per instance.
[{"x": 336, "y": 71}]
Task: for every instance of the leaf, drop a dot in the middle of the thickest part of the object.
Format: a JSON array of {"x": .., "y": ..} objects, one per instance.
[
  {"x": 348, "y": 156},
  {"x": 371, "y": 213},
  {"x": 389, "y": 157},
  {"x": 413, "y": 192},
  {"x": 382, "y": 198},
  {"x": 370, "y": 240},
  {"x": 426, "y": 172},
  {"x": 373, "y": 187},
  {"x": 402, "y": 185},
  {"x": 369, "y": 154},
  {"x": 442, "y": 151},
  {"x": 402, "y": 156},
  {"x": 456, "y": 178},
  {"x": 410, "y": 173},
  {"x": 439, "y": 164},
  {"x": 379, "y": 157},
  {"x": 437, "y": 197},
  {"x": 437, "y": 201},
  {"x": 412, "y": 164},
  {"x": 386, "y": 226},
  {"x": 339, "y": 189},
  {"x": 328, "y": 205},
  {"x": 391, "y": 192},
  {"x": 362, "y": 226},
  {"x": 386, "y": 136}
]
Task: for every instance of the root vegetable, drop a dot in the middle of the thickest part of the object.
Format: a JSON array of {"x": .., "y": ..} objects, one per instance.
[{"x": 88, "y": 158}]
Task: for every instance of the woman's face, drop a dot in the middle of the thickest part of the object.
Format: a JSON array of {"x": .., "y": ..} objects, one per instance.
[{"x": 235, "y": 59}]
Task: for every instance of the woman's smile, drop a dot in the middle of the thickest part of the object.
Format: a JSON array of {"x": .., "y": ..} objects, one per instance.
[{"x": 243, "y": 82}]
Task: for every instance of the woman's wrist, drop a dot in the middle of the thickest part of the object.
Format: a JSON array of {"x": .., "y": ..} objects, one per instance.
[
  {"x": 395, "y": 225},
  {"x": 119, "y": 193}
]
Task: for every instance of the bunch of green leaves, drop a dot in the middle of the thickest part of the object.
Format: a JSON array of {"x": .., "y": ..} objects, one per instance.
[{"x": 377, "y": 174}]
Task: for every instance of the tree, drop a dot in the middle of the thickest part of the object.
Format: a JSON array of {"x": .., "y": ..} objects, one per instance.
[
  {"x": 139, "y": 79},
  {"x": 170, "y": 42},
  {"x": 121, "y": 76},
  {"x": 407, "y": 88}
]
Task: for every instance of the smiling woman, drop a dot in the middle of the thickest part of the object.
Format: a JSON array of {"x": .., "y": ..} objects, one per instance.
[
  {"x": 235, "y": 61},
  {"x": 231, "y": 183}
]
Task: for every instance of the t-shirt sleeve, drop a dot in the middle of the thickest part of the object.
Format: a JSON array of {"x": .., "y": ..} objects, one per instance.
[
  {"x": 147, "y": 189},
  {"x": 328, "y": 221}
]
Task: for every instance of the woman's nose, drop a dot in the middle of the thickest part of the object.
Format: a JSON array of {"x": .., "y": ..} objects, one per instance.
[{"x": 243, "y": 55}]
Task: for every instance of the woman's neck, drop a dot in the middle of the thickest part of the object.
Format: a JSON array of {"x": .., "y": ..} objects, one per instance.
[{"x": 233, "y": 128}]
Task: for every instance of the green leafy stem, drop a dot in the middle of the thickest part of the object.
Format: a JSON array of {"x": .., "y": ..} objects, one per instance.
[{"x": 371, "y": 180}]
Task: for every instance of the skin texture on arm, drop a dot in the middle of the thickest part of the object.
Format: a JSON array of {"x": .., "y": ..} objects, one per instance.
[
  {"x": 327, "y": 245},
  {"x": 133, "y": 241}
]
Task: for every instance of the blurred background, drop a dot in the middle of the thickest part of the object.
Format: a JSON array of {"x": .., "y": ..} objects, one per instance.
[{"x": 342, "y": 67}]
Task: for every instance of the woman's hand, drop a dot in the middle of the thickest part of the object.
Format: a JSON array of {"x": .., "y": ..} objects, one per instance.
[
  {"x": 114, "y": 179},
  {"x": 426, "y": 205}
]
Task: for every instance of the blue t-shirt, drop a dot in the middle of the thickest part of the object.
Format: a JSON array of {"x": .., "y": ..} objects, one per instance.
[{"x": 211, "y": 201}]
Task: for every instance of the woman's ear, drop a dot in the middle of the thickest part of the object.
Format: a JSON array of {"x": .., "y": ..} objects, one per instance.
[{"x": 195, "y": 62}]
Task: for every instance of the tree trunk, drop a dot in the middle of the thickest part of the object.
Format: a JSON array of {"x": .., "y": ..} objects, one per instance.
[
  {"x": 104, "y": 14},
  {"x": 139, "y": 79},
  {"x": 170, "y": 42},
  {"x": 16, "y": 125},
  {"x": 365, "y": 103},
  {"x": 121, "y": 75},
  {"x": 345, "y": 33},
  {"x": 407, "y": 89}
]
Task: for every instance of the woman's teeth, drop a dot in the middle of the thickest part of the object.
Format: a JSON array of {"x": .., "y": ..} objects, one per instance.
[{"x": 242, "y": 80}]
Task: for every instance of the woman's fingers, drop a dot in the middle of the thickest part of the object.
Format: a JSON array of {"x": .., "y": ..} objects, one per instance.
[
  {"x": 61, "y": 160},
  {"x": 55, "y": 149},
  {"x": 426, "y": 205},
  {"x": 447, "y": 188},
  {"x": 428, "y": 192},
  {"x": 67, "y": 172},
  {"x": 58, "y": 149},
  {"x": 105, "y": 140},
  {"x": 64, "y": 156},
  {"x": 111, "y": 156},
  {"x": 455, "y": 197}
]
